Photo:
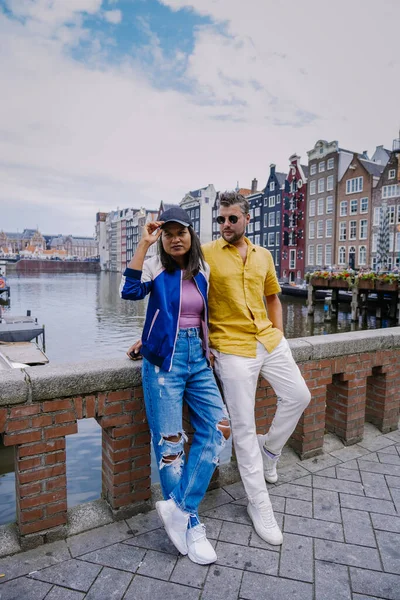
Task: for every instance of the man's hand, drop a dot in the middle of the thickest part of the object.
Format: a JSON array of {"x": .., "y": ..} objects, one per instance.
[{"x": 134, "y": 349}]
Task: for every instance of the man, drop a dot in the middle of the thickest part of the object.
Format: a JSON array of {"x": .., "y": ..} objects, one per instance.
[{"x": 247, "y": 340}]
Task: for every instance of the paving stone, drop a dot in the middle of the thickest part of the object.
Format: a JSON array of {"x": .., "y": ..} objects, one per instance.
[
  {"x": 395, "y": 493},
  {"x": 278, "y": 502},
  {"x": 347, "y": 554},
  {"x": 329, "y": 472},
  {"x": 111, "y": 584},
  {"x": 247, "y": 558},
  {"x": 214, "y": 498},
  {"x": 236, "y": 490},
  {"x": 386, "y": 522},
  {"x": 382, "y": 468},
  {"x": 305, "y": 481},
  {"x": 393, "y": 435},
  {"x": 144, "y": 522},
  {"x": 332, "y": 443},
  {"x": 350, "y": 452},
  {"x": 301, "y": 508},
  {"x": 117, "y": 556},
  {"x": 351, "y": 464},
  {"x": 145, "y": 588},
  {"x": 319, "y": 462},
  {"x": 369, "y": 504},
  {"x": 297, "y": 558},
  {"x": 24, "y": 587},
  {"x": 392, "y": 481},
  {"x": 389, "y": 546},
  {"x": 290, "y": 473},
  {"x": 266, "y": 587},
  {"x": 189, "y": 573},
  {"x": 371, "y": 457},
  {"x": 357, "y": 528},
  {"x": 332, "y": 581},
  {"x": 347, "y": 474},
  {"x": 98, "y": 538},
  {"x": 235, "y": 533},
  {"x": 377, "y": 443},
  {"x": 375, "y": 485},
  {"x": 326, "y": 505},
  {"x": 61, "y": 593},
  {"x": 382, "y": 585},
  {"x": 33, "y": 560},
  {"x": 359, "y": 597},
  {"x": 337, "y": 485},
  {"x": 388, "y": 450},
  {"x": 154, "y": 540},
  {"x": 314, "y": 528},
  {"x": 213, "y": 527},
  {"x": 157, "y": 564},
  {"x": 222, "y": 582},
  {"x": 74, "y": 574},
  {"x": 289, "y": 490}
]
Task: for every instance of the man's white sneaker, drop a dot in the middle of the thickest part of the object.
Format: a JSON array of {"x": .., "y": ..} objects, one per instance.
[
  {"x": 200, "y": 550},
  {"x": 175, "y": 522},
  {"x": 264, "y": 522},
  {"x": 270, "y": 463}
]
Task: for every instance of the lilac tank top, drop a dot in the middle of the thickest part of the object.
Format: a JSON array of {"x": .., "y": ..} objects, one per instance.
[{"x": 192, "y": 305}]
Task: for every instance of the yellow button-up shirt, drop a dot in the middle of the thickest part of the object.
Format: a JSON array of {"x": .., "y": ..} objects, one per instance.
[{"x": 237, "y": 313}]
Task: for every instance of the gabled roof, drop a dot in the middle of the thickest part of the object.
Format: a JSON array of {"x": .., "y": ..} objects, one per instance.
[
  {"x": 373, "y": 168},
  {"x": 305, "y": 169},
  {"x": 281, "y": 178},
  {"x": 245, "y": 192},
  {"x": 196, "y": 193}
]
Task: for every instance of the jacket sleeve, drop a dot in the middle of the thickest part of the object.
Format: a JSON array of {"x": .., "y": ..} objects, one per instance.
[{"x": 135, "y": 285}]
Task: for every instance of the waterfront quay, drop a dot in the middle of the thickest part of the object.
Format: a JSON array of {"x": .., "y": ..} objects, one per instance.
[{"x": 337, "y": 499}]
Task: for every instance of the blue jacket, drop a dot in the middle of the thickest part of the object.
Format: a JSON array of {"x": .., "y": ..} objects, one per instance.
[{"x": 162, "y": 317}]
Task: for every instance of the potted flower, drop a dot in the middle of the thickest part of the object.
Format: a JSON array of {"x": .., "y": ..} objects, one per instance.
[
  {"x": 387, "y": 282},
  {"x": 365, "y": 280},
  {"x": 342, "y": 279},
  {"x": 320, "y": 278}
]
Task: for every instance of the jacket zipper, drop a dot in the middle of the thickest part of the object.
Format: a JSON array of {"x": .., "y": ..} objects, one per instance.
[
  {"x": 177, "y": 323},
  {"x": 152, "y": 322}
]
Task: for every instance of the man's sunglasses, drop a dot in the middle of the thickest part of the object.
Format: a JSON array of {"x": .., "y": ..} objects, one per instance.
[{"x": 232, "y": 219}]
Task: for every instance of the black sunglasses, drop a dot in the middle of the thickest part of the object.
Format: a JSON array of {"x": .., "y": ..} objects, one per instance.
[{"x": 232, "y": 219}]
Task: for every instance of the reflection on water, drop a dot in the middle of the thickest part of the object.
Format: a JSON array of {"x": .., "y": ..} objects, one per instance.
[{"x": 85, "y": 319}]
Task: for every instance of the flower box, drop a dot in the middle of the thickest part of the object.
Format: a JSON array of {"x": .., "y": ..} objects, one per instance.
[
  {"x": 381, "y": 286},
  {"x": 366, "y": 284},
  {"x": 319, "y": 282},
  {"x": 339, "y": 283}
]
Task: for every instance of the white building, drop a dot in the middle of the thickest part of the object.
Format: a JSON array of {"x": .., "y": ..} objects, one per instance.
[{"x": 198, "y": 204}]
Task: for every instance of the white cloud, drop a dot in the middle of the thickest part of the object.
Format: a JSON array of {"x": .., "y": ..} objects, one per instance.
[
  {"x": 113, "y": 16},
  {"x": 75, "y": 138}
]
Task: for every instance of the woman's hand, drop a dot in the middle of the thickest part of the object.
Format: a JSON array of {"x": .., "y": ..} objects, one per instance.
[
  {"x": 151, "y": 232},
  {"x": 134, "y": 349}
]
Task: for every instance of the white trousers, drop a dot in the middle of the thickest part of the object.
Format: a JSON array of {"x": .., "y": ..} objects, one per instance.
[{"x": 238, "y": 376}]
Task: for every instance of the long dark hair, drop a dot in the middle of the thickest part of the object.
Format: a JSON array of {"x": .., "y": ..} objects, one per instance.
[{"x": 194, "y": 257}]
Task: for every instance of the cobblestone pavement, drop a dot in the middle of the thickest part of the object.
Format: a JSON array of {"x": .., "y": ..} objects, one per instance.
[{"x": 340, "y": 515}]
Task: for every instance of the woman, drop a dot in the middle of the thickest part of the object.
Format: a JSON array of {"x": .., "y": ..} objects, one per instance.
[{"x": 176, "y": 367}]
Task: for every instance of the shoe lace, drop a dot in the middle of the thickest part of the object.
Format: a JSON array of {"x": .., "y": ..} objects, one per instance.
[
  {"x": 198, "y": 532},
  {"x": 267, "y": 514}
]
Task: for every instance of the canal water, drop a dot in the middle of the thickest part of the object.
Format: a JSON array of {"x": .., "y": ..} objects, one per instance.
[{"x": 85, "y": 319}]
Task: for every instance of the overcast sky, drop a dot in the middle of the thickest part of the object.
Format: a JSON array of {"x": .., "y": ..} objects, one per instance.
[{"x": 122, "y": 103}]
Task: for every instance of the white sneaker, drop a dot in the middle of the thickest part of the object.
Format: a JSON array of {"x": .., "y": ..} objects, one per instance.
[
  {"x": 264, "y": 522},
  {"x": 175, "y": 522},
  {"x": 200, "y": 550},
  {"x": 270, "y": 463}
]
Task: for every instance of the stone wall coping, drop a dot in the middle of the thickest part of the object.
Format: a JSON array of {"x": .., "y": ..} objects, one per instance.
[{"x": 49, "y": 382}]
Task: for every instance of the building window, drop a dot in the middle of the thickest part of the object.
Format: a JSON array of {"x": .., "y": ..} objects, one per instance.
[
  {"x": 251, "y": 239},
  {"x": 277, "y": 239},
  {"x": 272, "y": 186},
  {"x": 392, "y": 173},
  {"x": 265, "y": 219},
  {"x": 353, "y": 230},
  {"x": 311, "y": 208},
  {"x": 311, "y": 230},
  {"x": 265, "y": 201},
  {"x": 329, "y": 183},
  {"x": 362, "y": 255},
  {"x": 397, "y": 248},
  {"x": 354, "y": 185},
  {"x": 321, "y": 167},
  {"x": 277, "y": 257},
  {"x": 251, "y": 213},
  {"x": 257, "y": 240},
  {"x": 391, "y": 191},
  {"x": 311, "y": 255},
  {"x": 292, "y": 259},
  {"x": 331, "y": 164},
  {"x": 250, "y": 228},
  {"x": 363, "y": 229},
  {"x": 342, "y": 255},
  {"x": 328, "y": 255},
  {"x": 271, "y": 219},
  {"x": 363, "y": 205},
  {"x": 374, "y": 242},
  {"x": 320, "y": 229},
  {"x": 342, "y": 231},
  {"x": 329, "y": 205},
  {"x": 319, "y": 255},
  {"x": 353, "y": 206},
  {"x": 343, "y": 208},
  {"x": 313, "y": 187},
  {"x": 277, "y": 218},
  {"x": 377, "y": 215},
  {"x": 313, "y": 169},
  {"x": 257, "y": 211},
  {"x": 398, "y": 213},
  {"x": 271, "y": 201},
  {"x": 320, "y": 206},
  {"x": 321, "y": 185},
  {"x": 328, "y": 228},
  {"x": 391, "y": 210},
  {"x": 278, "y": 198},
  {"x": 271, "y": 239},
  {"x": 265, "y": 240},
  {"x": 257, "y": 225}
]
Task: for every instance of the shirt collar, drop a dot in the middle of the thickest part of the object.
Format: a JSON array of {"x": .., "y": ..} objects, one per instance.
[{"x": 223, "y": 243}]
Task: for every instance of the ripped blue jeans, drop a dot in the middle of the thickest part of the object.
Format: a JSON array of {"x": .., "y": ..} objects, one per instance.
[{"x": 192, "y": 380}]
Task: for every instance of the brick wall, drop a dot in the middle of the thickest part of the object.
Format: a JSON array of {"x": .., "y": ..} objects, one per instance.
[{"x": 352, "y": 378}]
